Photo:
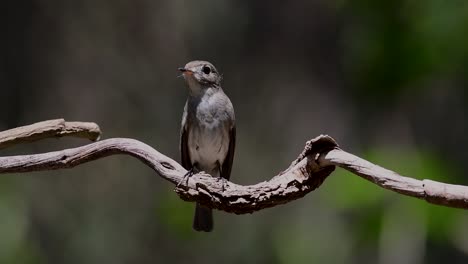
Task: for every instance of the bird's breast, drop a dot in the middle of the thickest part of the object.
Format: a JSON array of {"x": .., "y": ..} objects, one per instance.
[
  {"x": 209, "y": 121},
  {"x": 208, "y": 144}
]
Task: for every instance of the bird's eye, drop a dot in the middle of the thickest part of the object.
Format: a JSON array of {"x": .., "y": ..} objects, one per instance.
[{"x": 206, "y": 69}]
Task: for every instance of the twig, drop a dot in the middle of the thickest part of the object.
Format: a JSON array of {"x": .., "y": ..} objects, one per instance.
[
  {"x": 434, "y": 192},
  {"x": 48, "y": 129}
]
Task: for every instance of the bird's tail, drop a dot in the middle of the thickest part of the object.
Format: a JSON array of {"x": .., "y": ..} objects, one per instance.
[{"x": 203, "y": 219}]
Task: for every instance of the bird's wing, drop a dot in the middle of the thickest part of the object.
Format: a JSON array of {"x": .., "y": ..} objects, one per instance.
[
  {"x": 184, "y": 151},
  {"x": 227, "y": 164}
]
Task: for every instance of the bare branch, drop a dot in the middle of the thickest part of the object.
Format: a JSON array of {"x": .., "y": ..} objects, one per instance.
[
  {"x": 47, "y": 129},
  {"x": 433, "y": 192},
  {"x": 300, "y": 178},
  {"x": 304, "y": 175}
]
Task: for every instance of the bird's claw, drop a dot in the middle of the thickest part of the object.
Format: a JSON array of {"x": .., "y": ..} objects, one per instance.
[
  {"x": 223, "y": 183},
  {"x": 186, "y": 177}
]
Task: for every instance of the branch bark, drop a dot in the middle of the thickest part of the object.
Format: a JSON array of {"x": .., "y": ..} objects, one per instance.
[
  {"x": 47, "y": 129},
  {"x": 305, "y": 174}
]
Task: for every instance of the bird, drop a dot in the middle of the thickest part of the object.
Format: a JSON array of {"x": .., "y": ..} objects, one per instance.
[{"x": 208, "y": 130}]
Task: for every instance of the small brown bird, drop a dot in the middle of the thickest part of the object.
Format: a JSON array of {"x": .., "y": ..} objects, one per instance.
[{"x": 208, "y": 132}]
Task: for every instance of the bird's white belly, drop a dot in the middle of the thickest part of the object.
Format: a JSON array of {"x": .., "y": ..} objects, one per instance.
[{"x": 208, "y": 146}]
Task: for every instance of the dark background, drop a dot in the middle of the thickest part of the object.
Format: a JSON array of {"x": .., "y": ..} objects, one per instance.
[{"x": 387, "y": 79}]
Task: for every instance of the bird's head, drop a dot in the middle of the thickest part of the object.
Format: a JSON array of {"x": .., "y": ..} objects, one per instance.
[{"x": 200, "y": 74}]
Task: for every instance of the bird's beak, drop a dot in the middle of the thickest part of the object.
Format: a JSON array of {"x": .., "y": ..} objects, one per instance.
[{"x": 185, "y": 71}]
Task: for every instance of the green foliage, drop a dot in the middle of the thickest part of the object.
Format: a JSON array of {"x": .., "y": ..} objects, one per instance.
[
  {"x": 14, "y": 244},
  {"x": 175, "y": 214},
  {"x": 367, "y": 203},
  {"x": 394, "y": 45}
]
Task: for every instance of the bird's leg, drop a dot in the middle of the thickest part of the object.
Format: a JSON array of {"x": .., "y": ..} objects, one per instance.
[
  {"x": 186, "y": 177},
  {"x": 223, "y": 183},
  {"x": 223, "y": 180}
]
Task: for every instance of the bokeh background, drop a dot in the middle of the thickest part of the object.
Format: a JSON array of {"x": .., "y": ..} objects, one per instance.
[{"x": 387, "y": 79}]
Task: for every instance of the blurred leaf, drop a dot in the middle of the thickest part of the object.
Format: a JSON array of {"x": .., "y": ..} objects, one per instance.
[
  {"x": 421, "y": 165},
  {"x": 14, "y": 246},
  {"x": 306, "y": 240},
  {"x": 366, "y": 201},
  {"x": 441, "y": 29},
  {"x": 394, "y": 44},
  {"x": 347, "y": 191},
  {"x": 175, "y": 214}
]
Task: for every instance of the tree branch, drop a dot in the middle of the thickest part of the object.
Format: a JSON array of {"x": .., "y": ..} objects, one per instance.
[
  {"x": 291, "y": 184},
  {"x": 47, "y": 129},
  {"x": 304, "y": 175},
  {"x": 434, "y": 192}
]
